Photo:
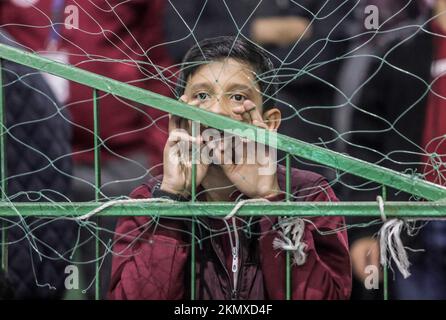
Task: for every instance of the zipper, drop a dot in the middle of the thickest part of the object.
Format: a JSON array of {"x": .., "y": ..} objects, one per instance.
[
  {"x": 223, "y": 265},
  {"x": 235, "y": 292},
  {"x": 235, "y": 247},
  {"x": 236, "y": 257},
  {"x": 235, "y": 261}
]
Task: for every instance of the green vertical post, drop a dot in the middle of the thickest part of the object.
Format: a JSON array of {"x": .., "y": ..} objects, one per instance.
[
  {"x": 385, "y": 275},
  {"x": 193, "y": 195},
  {"x": 288, "y": 254},
  {"x": 3, "y": 177},
  {"x": 97, "y": 180}
]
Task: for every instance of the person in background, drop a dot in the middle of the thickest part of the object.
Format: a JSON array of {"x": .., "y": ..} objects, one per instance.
[
  {"x": 113, "y": 39},
  {"x": 38, "y": 167},
  {"x": 366, "y": 45},
  {"x": 407, "y": 89}
]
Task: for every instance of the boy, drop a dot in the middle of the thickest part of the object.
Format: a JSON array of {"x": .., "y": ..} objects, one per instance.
[{"x": 152, "y": 257}]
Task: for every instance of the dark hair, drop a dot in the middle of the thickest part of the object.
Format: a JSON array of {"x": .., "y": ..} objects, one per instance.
[{"x": 214, "y": 49}]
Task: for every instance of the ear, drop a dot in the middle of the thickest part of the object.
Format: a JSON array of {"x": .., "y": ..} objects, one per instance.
[{"x": 272, "y": 118}]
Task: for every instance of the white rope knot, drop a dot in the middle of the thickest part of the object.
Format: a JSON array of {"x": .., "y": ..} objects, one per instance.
[
  {"x": 240, "y": 204},
  {"x": 123, "y": 201},
  {"x": 390, "y": 240},
  {"x": 291, "y": 239}
]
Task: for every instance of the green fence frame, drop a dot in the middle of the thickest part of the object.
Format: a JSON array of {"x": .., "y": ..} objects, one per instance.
[{"x": 293, "y": 147}]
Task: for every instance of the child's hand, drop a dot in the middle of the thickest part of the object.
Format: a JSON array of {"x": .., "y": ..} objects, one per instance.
[
  {"x": 177, "y": 162},
  {"x": 245, "y": 176}
]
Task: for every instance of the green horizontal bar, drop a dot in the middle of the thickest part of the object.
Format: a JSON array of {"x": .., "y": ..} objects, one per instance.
[
  {"x": 407, "y": 183},
  {"x": 197, "y": 209}
]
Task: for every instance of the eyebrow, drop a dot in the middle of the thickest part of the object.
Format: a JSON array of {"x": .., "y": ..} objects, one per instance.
[
  {"x": 240, "y": 87},
  {"x": 201, "y": 85},
  {"x": 232, "y": 87}
]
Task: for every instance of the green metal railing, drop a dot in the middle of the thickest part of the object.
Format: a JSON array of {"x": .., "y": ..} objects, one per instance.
[{"x": 293, "y": 147}]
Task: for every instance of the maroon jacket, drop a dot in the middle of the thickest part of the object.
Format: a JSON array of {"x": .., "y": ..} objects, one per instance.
[{"x": 151, "y": 259}]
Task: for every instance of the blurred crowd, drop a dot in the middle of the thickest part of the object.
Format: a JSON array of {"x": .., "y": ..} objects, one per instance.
[{"x": 375, "y": 94}]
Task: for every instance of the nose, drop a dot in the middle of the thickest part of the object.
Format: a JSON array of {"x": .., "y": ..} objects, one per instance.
[{"x": 221, "y": 107}]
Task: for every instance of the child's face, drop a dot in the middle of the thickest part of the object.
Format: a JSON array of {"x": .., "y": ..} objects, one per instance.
[
  {"x": 229, "y": 88},
  {"x": 222, "y": 86}
]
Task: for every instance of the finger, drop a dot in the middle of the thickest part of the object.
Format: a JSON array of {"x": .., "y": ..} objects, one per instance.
[
  {"x": 249, "y": 112},
  {"x": 181, "y": 135},
  {"x": 187, "y": 124},
  {"x": 184, "y": 98},
  {"x": 184, "y": 124},
  {"x": 249, "y": 105},
  {"x": 254, "y": 112},
  {"x": 194, "y": 103},
  {"x": 359, "y": 256},
  {"x": 260, "y": 124},
  {"x": 359, "y": 267},
  {"x": 375, "y": 261},
  {"x": 182, "y": 149},
  {"x": 374, "y": 255},
  {"x": 174, "y": 122},
  {"x": 241, "y": 111}
]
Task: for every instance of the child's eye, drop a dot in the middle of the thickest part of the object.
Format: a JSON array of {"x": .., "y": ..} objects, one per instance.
[
  {"x": 202, "y": 96},
  {"x": 238, "y": 97}
]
